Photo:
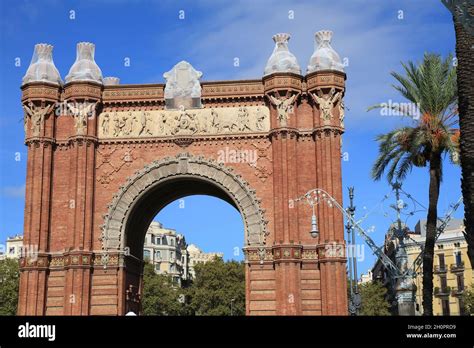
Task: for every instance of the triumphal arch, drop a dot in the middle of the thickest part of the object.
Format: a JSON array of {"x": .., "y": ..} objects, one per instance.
[{"x": 104, "y": 158}]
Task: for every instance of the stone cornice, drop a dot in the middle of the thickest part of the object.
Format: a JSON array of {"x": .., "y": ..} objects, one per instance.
[
  {"x": 328, "y": 130},
  {"x": 175, "y": 139},
  {"x": 37, "y": 141},
  {"x": 285, "y": 81},
  {"x": 300, "y": 253},
  {"x": 82, "y": 90},
  {"x": 81, "y": 139},
  {"x": 293, "y": 132},
  {"x": 325, "y": 79},
  {"x": 40, "y": 91},
  {"x": 232, "y": 89}
]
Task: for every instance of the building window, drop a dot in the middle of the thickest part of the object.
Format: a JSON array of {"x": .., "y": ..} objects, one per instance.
[
  {"x": 146, "y": 254},
  {"x": 157, "y": 254},
  {"x": 458, "y": 258},
  {"x": 460, "y": 282},
  {"x": 157, "y": 266},
  {"x": 152, "y": 239},
  {"x": 445, "y": 306},
  {"x": 443, "y": 283},
  {"x": 171, "y": 255},
  {"x": 172, "y": 242},
  {"x": 11, "y": 250},
  {"x": 441, "y": 261}
]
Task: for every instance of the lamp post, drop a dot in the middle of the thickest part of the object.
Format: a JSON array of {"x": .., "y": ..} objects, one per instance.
[
  {"x": 404, "y": 286},
  {"x": 317, "y": 196},
  {"x": 355, "y": 299}
]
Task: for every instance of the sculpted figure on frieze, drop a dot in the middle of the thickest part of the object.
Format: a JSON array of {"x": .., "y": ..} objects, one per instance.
[
  {"x": 80, "y": 112},
  {"x": 148, "y": 119},
  {"x": 326, "y": 102},
  {"x": 214, "y": 120},
  {"x": 37, "y": 116},
  {"x": 105, "y": 124},
  {"x": 284, "y": 106},
  {"x": 260, "y": 118},
  {"x": 341, "y": 107},
  {"x": 185, "y": 122},
  {"x": 116, "y": 125},
  {"x": 243, "y": 120}
]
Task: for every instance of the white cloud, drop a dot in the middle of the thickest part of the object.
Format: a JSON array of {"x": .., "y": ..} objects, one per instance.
[
  {"x": 14, "y": 191},
  {"x": 367, "y": 32}
]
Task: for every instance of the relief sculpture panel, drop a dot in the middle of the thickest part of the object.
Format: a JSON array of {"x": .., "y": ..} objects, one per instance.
[{"x": 169, "y": 123}]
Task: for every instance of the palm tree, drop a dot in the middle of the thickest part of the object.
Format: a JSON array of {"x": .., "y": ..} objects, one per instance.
[
  {"x": 431, "y": 86},
  {"x": 463, "y": 18}
]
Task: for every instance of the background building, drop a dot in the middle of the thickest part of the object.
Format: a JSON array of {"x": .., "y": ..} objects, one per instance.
[
  {"x": 196, "y": 256},
  {"x": 452, "y": 269},
  {"x": 166, "y": 250},
  {"x": 13, "y": 248},
  {"x": 366, "y": 277},
  {"x": 169, "y": 253},
  {"x": 452, "y": 272}
]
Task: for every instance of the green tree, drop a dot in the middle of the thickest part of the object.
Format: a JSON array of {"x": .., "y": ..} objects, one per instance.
[
  {"x": 9, "y": 283},
  {"x": 432, "y": 87},
  {"x": 468, "y": 299},
  {"x": 463, "y": 18},
  {"x": 218, "y": 285},
  {"x": 160, "y": 295},
  {"x": 373, "y": 300}
]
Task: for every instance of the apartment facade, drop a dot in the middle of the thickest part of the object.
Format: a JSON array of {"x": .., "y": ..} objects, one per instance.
[
  {"x": 166, "y": 251},
  {"x": 452, "y": 272},
  {"x": 13, "y": 248},
  {"x": 196, "y": 256}
]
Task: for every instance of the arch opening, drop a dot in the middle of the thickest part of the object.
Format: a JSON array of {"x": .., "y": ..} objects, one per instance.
[
  {"x": 160, "y": 196},
  {"x": 161, "y": 182}
]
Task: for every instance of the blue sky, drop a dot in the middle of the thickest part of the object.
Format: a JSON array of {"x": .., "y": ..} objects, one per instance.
[{"x": 374, "y": 35}]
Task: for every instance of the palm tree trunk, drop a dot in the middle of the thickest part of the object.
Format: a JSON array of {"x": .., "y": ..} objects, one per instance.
[
  {"x": 431, "y": 223},
  {"x": 465, "y": 79}
]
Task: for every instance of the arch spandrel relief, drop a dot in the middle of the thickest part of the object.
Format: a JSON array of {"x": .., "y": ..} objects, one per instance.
[{"x": 168, "y": 123}]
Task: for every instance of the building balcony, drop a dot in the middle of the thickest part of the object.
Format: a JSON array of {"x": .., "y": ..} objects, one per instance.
[
  {"x": 457, "y": 291},
  {"x": 459, "y": 267},
  {"x": 442, "y": 291},
  {"x": 439, "y": 269}
]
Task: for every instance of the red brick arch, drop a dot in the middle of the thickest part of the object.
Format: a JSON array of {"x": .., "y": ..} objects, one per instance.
[{"x": 84, "y": 187}]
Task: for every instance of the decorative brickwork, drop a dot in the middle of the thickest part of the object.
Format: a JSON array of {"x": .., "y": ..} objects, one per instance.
[{"x": 90, "y": 195}]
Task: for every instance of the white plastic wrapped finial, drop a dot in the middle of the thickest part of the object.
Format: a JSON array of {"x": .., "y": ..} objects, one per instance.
[
  {"x": 324, "y": 56},
  {"x": 42, "y": 68},
  {"x": 85, "y": 67},
  {"x": 111, "y": 81},
  {"x": 282, "y": 60}
]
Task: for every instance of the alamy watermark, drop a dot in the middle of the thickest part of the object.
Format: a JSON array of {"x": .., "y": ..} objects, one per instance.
[
  {"x": 392, "y": 108},
  {"x": 229, "y": 155}
]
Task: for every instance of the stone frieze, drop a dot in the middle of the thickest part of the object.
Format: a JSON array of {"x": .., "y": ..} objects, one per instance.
[{"x": 163, "y": 123}]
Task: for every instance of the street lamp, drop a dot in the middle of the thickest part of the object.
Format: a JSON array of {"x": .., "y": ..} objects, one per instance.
[{"x": 313, "y": 198}]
